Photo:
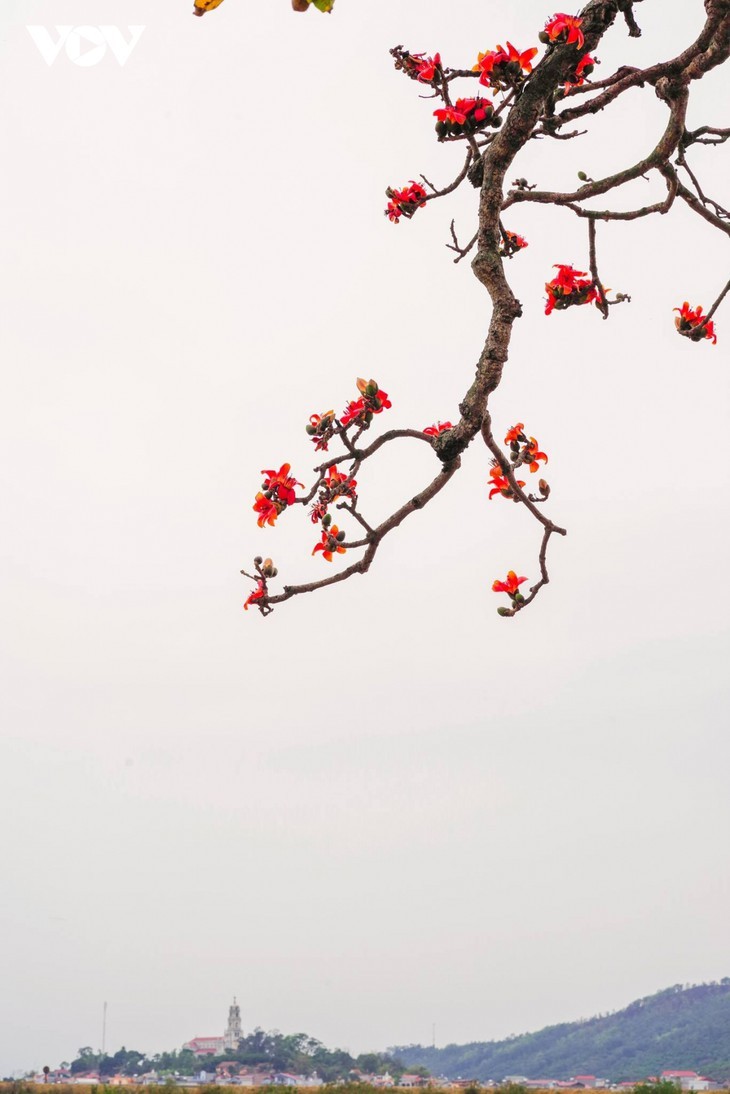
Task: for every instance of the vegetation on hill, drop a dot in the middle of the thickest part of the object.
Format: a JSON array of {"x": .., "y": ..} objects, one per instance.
[
  {"x": 296, "y": 1053},
  {"x": 678, "y": 1028}
]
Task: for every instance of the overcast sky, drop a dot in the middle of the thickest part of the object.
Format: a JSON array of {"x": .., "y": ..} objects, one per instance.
[{"x": 383, "y": 807}]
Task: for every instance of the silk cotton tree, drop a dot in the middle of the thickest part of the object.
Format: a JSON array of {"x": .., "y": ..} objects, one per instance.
[{"x": 493, "y": 106}]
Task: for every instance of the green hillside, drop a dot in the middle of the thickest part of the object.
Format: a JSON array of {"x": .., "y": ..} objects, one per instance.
[{"x": 679, "y": 1028}]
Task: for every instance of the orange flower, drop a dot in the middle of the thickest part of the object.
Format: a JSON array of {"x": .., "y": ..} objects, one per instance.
[
  {"x": 515, "y": 434},
  {"x": 339, "y": 485},
  {"x": 533, "y": 454},
  {"x": 509, "y": 586},
  {"x": 268, "y": 510},
  {"x": 511, "y": 243},
  {"x": 331, "y": 543},
  {"x": 500, "y": 484}
]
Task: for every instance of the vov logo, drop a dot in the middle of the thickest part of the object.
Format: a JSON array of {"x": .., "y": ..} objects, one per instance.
[{"x": 85, "y": 46}]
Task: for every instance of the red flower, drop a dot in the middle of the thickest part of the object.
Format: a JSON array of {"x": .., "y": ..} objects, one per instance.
[
  {"x": 500, "y": 484},
  {"x": 692, "y": 323},
  {"x": 451, "y": 115},
  {"x": 373, "y": 401},
  {"x": 515, "y": 434},
  {"x": 425, "y": 67},
  {"x": 510, "y": 586},
  {"x": 267, "y": 509},
  {"x": 320, "y": 429},
  {"x": 569, "y": 287},
  {"x": 258, "y": 594},
  {"x": 353, "y": 411},
  {"x": 480, "y": 108},
  {"x": 439, "y": 427},
  {"x": 281, "y": 483},
  {"x": 565, "y": 28},
  {"x": 583, "y": 68},
  {"x": 511, "y": 243},
  {"x": 509, "y": 65},
  {"x": 331, "y": 543},
  {"x": 532, "y": 454},
  {"x": 405, "y": 202},
  {"x": 339, "y": 485}
]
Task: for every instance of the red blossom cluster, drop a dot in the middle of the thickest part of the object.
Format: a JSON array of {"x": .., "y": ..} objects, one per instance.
[
  {"x": 426, "y": 67},
  {"x": 277, "y": 492},
  {"x": 331, "y": 542},
  {"x": 569, "y": 287},
  {"x": 321, "y": 428},
  {"x": 258, "y": 594},
  {"x": 693, "y": 324},
  {"x": 502, "y": 68},
  {"x": 524, "y": 449},
  {"x": 511, "y": 243},
  {"x": 437, "y": 429},
  {"x": 336, "y": 485},
  {"x": 373, "y": 400},
  {"x": 265, "y": 569},
  {"x": 465, "y": 116},
  {"x": 417, "y": 65},
  {"x": 584, "y": 68},
  {"x": 405, "y": 202},
  {"x": 563, "y": 29}
]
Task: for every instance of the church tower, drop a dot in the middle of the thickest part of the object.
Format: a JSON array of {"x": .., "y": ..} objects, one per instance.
[{"x": 233, "y": 1036}]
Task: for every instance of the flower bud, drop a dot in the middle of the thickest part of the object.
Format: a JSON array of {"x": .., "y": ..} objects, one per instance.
[
  {"x": 544, "y": 37},
  {"x": 258, "y": 560},
  {"x": 503, "y": 611},
  {"x": 326, "y": 520},
  {"x": 340, "y": 536},
  {"x": 371, "y": 389},
  {"x": 583, "y": 176},
  {"x": 311, "y": 429},
  {"x": 544, "y": 487},
  {"x": 268, "y": 569}
]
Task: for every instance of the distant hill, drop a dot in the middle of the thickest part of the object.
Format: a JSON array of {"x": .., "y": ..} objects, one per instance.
[{"x": 678, "y": 1028}]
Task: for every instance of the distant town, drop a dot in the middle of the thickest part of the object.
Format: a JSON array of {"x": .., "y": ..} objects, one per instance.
[{"x": 233, "y": 1059}]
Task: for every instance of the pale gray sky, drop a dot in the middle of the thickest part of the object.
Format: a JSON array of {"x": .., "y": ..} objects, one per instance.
[{"x": 382, "y": 807}]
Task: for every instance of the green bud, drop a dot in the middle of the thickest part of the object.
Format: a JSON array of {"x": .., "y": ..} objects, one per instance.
[
  {"x": 495, "y": 121},
  {"x": 340, "y": 536},
  {"x": 311, "y": 429},
  {"x": 583, "y": 176},
  {"x": 442, "y": 129},
  {"x": 503, "y": 611},
  {"x": 326, "y": 520},
  {"x": 258, "y": 560},
  {"x": 371, "y": 389},
  {"x": 544, "y": 37}
]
